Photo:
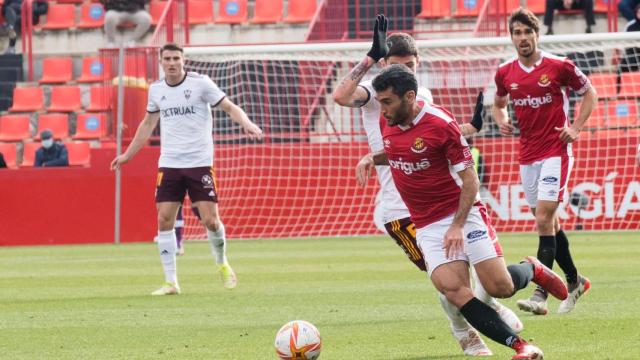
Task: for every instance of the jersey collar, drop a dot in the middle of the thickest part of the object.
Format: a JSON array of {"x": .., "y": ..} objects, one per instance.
[
  {"x": 416, "y": 120},
  {"x": 530, "y": 69}
]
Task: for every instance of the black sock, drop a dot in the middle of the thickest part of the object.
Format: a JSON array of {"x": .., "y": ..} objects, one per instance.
[
  {"x": 487, "y": 321},
  {"x": 547, "y": 250},
  {"x": 563, "y": 257},
  {"x": 521, "y": 275}
]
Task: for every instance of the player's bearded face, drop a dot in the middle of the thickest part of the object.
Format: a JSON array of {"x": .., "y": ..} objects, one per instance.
[
  {"x": 409, "y": 61},
  {"x": 397, "y": 111},
  {"x": 525, "y": 39}
]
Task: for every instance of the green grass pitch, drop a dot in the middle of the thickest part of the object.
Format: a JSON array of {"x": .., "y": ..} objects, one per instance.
[{"x": 367, "y": 300}]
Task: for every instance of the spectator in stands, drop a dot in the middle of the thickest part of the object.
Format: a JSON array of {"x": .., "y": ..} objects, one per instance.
[
  {"x": 125, "y": 11},
  {"x": 3, "y": 163},
  {"x": 11, "y": 10},
  {"x": 626, "y": 8},
  {"x": 51, "y": 153},
  {"x": 553, "y": 5},
  {"x": 631, "y": 60}
]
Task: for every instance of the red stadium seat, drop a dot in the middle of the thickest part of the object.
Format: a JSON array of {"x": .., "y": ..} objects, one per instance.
[
  {"x": 10, "y": 153},
  {"x": 622, "y": 113},
  {"x": 605, "y": 84},
  {"x": 435, "y": 9},
  {"x": 91, "y": 16},
  {"x": 156, "y": 8},
  {"x": 100, "y": 99},
  {"x": 79, "y": 153},
  {"x": 601, "y": 6},
  {"x": 59, "y": 17},
  {"x": 14, "y": 127},
  {"x": 65, "y": 99},
  {"x": 597, "y": 120},
  {"x": 200, "y": 11},
  {"x": 58, "y": 70},
  {"x": 300, "y": 11},
  {"x": 232, "y": 12},
  {"x": 69, "y": 1},
  {"x": 536, "y": 6},
  {"x": 94, "y": 70},
  {"x": 267, "y": 12},
  {"x": 512, "y": 5},
  {"x": 27, "y": 99},
  {"x": 90, "y": 126},
  {"x": 57, "y": 123},
  {"x": 29, "y": 153},
  {"x": 468, "y": 8},
  {"x": 630, "y": 84}
]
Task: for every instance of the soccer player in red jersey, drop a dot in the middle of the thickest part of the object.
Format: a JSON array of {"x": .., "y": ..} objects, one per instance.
[
  {"x": 536, "y": 82},
  {"x": 433, "y": 170}
]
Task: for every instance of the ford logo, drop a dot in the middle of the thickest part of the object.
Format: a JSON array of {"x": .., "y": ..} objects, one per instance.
[{"x": 475, "y": 234}]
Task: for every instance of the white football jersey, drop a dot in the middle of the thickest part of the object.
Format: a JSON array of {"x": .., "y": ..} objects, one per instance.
[
  {"x": 186, "y": 124},
  {"x": 393, "y": 208}
]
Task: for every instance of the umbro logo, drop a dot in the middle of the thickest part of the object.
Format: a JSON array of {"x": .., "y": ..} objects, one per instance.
[
  {"x": 387, "y": 143},
  {"x": 514, "y": 86}
]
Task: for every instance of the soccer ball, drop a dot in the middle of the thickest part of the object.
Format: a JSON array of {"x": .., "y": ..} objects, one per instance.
[{"x": 298, "y": 340}]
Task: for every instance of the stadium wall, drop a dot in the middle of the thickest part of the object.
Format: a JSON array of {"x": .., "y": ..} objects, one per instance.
[{"x": 76, "y": 205}]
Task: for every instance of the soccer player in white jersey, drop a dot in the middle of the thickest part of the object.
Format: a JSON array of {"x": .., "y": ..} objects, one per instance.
[
  {"x": 182, "y": 103},
  {"x": 433, "y": 170},
  {"x": 400, "y": 48},
  {"x": 536, "y": 82}
]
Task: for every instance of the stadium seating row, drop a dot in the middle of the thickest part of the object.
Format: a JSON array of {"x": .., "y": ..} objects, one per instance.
[
  {"x": 59, "y": 70},
  {"x": 79, "y": 153},
  {"x": 469, "y": 8},
  {"x": 63, "y": 99},
  {"x": 612, "y": 114},
  {"x": 89, "y": 126},
  {"x": 607, "y": 84},
  {"x": 63, "y": 15}
]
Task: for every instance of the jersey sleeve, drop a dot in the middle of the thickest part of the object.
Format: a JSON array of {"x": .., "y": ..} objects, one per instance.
[
  {"x": 368, "y": 87},
  {"x": 152, "y": 105},
  {"x": 573, "y": 77},
  {"x": 501, "y": 90},
  {"x": 456, "y": 148},
  {"x": 211, "y": 92}
]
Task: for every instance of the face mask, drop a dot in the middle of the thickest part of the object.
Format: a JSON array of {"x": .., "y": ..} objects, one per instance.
[{"x": 47, "y": 143}]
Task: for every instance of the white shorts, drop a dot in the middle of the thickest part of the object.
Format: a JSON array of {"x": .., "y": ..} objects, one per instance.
[
  {"x": 481, "y": 242},
  {"x": 546, "y": 179}
]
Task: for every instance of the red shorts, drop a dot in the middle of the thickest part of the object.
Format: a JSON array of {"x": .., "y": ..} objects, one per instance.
[
  {"x": 403, "y": 231},
  {"x": 174, "y": 183}
]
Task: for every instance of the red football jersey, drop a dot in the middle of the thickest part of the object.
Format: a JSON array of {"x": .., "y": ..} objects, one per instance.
[
  {"x": 425, "y": 160},
  {"x": 540, "y": 101}
]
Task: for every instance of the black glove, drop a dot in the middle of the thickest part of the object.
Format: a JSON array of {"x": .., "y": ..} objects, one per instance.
[
  {"x": 379, "y": 47},
  {"x": 476, "y": 121}
]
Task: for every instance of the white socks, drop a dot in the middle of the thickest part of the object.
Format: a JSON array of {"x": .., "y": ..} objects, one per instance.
[
  {"x": 167, "y": 248},
  {"x": 458, "y": 321},
  {"x": 218, "y": 244}
]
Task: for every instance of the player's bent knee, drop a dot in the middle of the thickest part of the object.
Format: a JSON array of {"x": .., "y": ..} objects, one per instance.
[
  {"x": 500, "y": 289},
  {"x": 211, "y": 222},
  {"x": 458, "y": 296}
]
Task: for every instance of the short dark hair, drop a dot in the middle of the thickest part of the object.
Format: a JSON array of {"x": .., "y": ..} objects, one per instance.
[
  {"x": 525, "y": 17},
  {"x": 401, "y": 44},
  {"x": 398, "y": 77},
  {"x": 171, "y": 47}
]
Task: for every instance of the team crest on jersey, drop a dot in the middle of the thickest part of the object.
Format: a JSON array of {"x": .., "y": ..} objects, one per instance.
[
  {"x": 544, "y": 81},
  {"x": 514, "y": 86},
  {"x": 163, "y": 98},
  {"x": 418, "y": 146},
  {"x": 187, "y": 94}
]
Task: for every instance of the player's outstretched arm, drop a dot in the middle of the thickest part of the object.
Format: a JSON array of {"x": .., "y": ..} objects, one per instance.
[
  {"x": 454, "y": 237},
  {"x": 238, "y": 115},
  {"x": 499, "y": 112},
  {"x": 348, "y": 93},
  {"x": 364, "y": 169},
  {"x": 589, "y": 102},
  {"x": 144, "y": 131},
  {"x": 468, "y": 129}
]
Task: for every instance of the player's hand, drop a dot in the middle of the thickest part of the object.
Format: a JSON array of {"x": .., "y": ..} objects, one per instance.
[
  {"x": 453, "y": 242},
  {"x": 506, "y": 129},
  {"x": 364, "y": 169},
  {"x": 379, "y": 47},
  {"x": 567, "y": 134},
  {"x": 476, "y": 121},
  {"x": 119, "y": 161},
  {"x": 253, "y": 131}
]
